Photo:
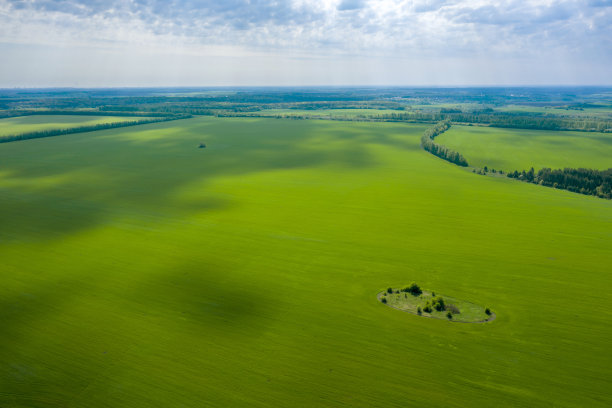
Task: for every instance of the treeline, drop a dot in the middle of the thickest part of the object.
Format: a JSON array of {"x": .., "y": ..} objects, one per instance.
[
  {"x": 439, "y": 150},
  {"x": 80, "y": 129},
  {"x": 506, "y": 120},
  {"x": 498, "y": 119},
  {"x": 95, "y": 113},
  {"x": 583, "y": 181}
]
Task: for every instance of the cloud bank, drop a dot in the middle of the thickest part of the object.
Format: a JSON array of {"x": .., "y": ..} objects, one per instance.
[{"x": 304, "y": 42}]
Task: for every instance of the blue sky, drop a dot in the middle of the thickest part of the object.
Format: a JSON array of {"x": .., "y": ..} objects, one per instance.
[{"x": 304, "y": 42}]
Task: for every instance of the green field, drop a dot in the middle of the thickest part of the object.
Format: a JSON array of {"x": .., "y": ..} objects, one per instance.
[
  {"x": 518, "y": 149},
  {"x": 140, "y": 271},
  {"x": 34, "y": 123}
]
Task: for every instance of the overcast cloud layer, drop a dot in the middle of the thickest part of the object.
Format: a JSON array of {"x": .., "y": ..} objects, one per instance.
[{"x": 304, "y": 42}]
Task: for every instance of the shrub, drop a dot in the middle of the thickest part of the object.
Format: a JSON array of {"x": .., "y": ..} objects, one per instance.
[
  {"x": 449, "y": 315},
  {"x": 438, "y": 304},
  {"x": 453, "y": 309},
  {"x": 427, "y": 308},
  {"x": 488, "y": 311},
  {"x": 419, "y": 311},
  {"x": 413, "y": 289},
  {"x": 433, "y": 294},
  {"x": 389, "y": 290},
  {"x": 384, "y": 300}
]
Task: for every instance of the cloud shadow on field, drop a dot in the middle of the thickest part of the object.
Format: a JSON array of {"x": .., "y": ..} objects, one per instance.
[
  {"x": 141, "y": 169},
  {"x": 190, "y": 299},
  {"x": 40, "y": 308},
  {"x": 212, "y": 301},
  {"x": 387, "y": 137}
]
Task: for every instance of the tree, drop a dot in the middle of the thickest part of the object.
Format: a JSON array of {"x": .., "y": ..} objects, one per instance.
[
  {"x": 413, "y": 289},
  {"x": 583, "y": 181},
  {"x": 438, "y": 304},
  {"x": 439, "y": 150}
]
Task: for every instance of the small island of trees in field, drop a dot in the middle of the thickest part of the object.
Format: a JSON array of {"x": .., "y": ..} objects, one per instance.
[{"x": 417, "y": 301}]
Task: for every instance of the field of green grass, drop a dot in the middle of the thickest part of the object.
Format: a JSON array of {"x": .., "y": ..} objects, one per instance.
[
  {"x": 518, "y": 149},
  {"x": 140, "y": 271},
  {"x": 34, "y": 123}
]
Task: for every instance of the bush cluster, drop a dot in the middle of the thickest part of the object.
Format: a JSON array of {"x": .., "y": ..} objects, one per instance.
[
  {"x": 436, "y": 303},
  {"x": 486, "y": 170},
  {"x": 452, "y": 309},
  {"x": 413, "y": 289}
]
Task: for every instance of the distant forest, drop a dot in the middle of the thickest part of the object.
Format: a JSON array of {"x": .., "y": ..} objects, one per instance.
[
  {"x": 508, "y": 120},
  {"x": 586, "y": 109},
  {"x": 578, "y": 108}
]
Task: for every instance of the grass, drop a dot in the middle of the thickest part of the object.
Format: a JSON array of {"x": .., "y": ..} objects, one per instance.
[
  {"x": 468, "y": 312},
  {"x": 518, "y": 149},
  {"x": 33, "y": 123},
  {"x": 141, "y": 271}
]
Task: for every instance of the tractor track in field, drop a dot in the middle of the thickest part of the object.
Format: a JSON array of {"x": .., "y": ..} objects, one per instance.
[{"x": 379, "y": 296}]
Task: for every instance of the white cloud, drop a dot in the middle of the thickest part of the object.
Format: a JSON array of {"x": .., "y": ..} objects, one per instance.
[{"x": 420, "y": 30}]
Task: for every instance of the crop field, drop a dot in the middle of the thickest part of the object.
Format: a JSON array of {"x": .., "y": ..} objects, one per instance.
[
  {"x": 518, "y": 149},
  {"x": 141, "y": 271},
  {"x": 33, "y": 123}
]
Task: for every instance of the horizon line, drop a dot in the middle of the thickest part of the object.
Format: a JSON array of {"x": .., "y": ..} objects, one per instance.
[{"x": 303, "y": 86}]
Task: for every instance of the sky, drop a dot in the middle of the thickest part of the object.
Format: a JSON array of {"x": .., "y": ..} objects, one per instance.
[{"x": 143, "y": 43}]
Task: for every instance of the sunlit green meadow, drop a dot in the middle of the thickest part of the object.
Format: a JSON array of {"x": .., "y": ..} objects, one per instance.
[
  {"x": 518, "y": 149},
  {"x": 35, "y": 123},
  {"x": 141, "y": 271}
]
